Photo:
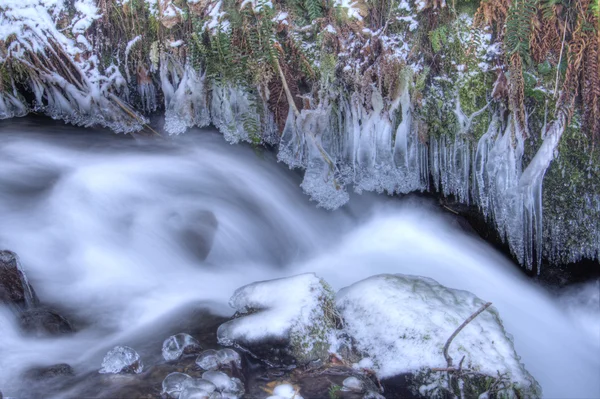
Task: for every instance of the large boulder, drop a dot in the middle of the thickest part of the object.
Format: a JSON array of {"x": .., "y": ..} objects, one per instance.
[
  {"x": 402, "y": 323},
  {"x": 14, "y": 287},
  {"x": 284, "y": 321}
]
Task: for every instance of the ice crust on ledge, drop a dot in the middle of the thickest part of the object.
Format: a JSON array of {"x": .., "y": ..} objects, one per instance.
[{"x": 402, "y": 323}]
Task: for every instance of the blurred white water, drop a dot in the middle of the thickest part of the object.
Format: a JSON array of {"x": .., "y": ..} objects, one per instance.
[{"x": 105, "y": 228}]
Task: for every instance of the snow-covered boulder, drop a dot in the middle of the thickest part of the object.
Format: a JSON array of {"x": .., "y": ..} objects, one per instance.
[
  {"x": 285, "y": 320},
  {"x": 403, "y": 322}
]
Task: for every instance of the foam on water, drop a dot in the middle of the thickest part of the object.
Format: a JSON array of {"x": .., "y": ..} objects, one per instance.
[{"x": 102, "y": 226}]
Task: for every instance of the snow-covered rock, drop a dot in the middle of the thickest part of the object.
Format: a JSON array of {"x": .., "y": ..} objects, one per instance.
[
  {"x": 283, "y": 318},
  {"x": 403, "y": 322}
]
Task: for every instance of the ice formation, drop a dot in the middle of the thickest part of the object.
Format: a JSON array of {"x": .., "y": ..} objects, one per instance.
[
  {"x": 350, "y": 139},
  {"x": 208, "y": 360},
  {"x": 121, "y": 359},
  {"x": 241, "y": 116},
  {"x": 402, "y": 323},
  {"x": 293, "y": 309},
  {"x": 229, "y": 357},
  {"x": 353, "y": 384},
  {"x": 185, "y": 96},
  {"x": 179, "y": 344},
  {"x": 285, "y": 391},
  {"x": 81, "y": 94},
  {"x": 174, "y": 383}
]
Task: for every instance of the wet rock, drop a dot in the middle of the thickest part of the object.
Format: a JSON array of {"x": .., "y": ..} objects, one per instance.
[
  {"x": 50, "y": 372},
  {"x": 179, "y": 345},
  {"x": 121, "y": 359},
  {"x": 42, "y": 321},
  {"x": 283, "y": 321},
  {"x": 14, "y": 287}
]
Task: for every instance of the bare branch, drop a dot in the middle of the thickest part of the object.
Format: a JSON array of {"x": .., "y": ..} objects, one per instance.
[{"x": 470, "y": 319}]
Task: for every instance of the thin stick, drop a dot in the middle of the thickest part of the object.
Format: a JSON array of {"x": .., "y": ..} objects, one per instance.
[
  {"x": 470, "y": 319},
  {"x": 560, "y": 60}
]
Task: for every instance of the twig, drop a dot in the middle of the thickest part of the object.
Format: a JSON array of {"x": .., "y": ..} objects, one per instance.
[
  {"x": 470, "y": 319},
  {"x": 560, "y": 60}
]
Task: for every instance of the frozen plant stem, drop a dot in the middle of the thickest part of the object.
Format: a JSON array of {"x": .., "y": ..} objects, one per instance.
[{"x": 455, "y": 333}]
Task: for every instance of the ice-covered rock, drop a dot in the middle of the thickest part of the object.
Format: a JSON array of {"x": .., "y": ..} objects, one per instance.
[
  {"x": 208, "y": 360},
  {"x": 228, "y": 357},
  {"x": 180, "y": 344},
  {"x": 121, "y": 359},
  {"x": 174, "y": 383},
  {"x": 287, "y": 319},
  {"x": 194, "y": 393},
  {"x": 221, "y": 380},
  {"x": 403, "y": 322},
  {"x": 200, "y": 383}
]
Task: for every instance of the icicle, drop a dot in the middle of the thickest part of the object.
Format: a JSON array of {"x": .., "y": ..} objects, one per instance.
[
  {"x": 187, "y": 106},
  {"x": 530, "y": 184}
]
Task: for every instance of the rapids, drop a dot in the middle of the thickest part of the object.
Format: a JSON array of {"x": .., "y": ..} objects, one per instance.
[{"x": 102, "y": 225}]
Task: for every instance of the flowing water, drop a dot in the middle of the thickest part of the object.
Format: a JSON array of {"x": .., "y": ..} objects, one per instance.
[{"x": 115, "y": 231}]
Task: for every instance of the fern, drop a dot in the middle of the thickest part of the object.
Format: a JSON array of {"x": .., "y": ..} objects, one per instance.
[
  {"x": 438, "y": 37},
  {"x": 314, "y": 9},
  {"x": 519, "y": 28}
]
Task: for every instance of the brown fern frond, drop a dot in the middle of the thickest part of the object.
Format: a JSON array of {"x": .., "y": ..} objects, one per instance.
[
  {"x": 492, "y": 12},
  {"x": 516, "y": 89}
]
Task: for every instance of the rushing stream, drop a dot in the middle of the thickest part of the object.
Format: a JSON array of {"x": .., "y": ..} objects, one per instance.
[{"x": 115, "y": 232}]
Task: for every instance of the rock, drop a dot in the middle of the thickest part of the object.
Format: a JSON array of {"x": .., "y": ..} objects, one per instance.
[
  {"x": 14, "y": 287},
  {"x": 283, "y": 321},
  {"x": 180, "y": 344},
  {"x": 402, "y": 324},
  {"x": 42, "y": 321},
  {"x": 50, "y": 372},
  {"x": 122, "y": 359}
]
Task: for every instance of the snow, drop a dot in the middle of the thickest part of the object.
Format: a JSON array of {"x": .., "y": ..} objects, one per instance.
[
  {"x": 403, "y": 322},
  {"x": 287, "y": 309},
  {"x": 351, "y": 8}
]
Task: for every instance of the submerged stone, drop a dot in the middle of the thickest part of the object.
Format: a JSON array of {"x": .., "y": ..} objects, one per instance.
[{"x": 42, "y": 321}]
